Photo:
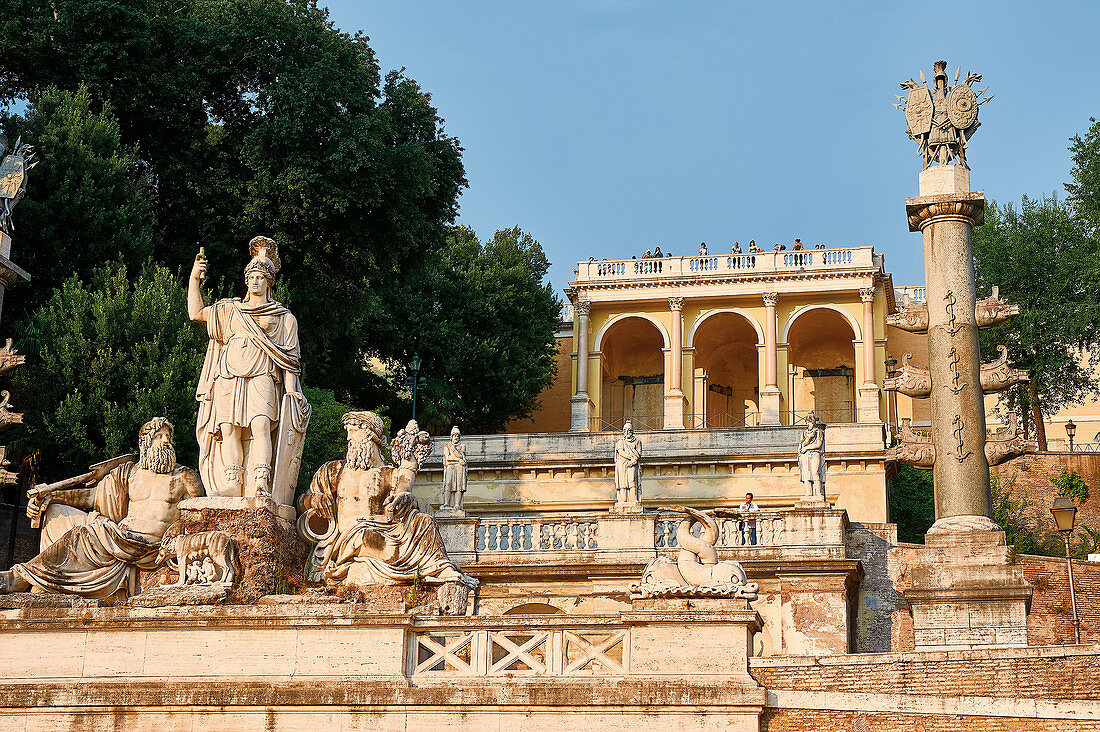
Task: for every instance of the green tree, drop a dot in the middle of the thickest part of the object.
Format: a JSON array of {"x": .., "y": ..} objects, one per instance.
[
  {"x": 89, "y": 201},
  {"x": 1043, "y": 260},
  {"x": 911, "y": 503},
  {"x": 485, "y": 331},
  {"x": 1084, "y": 189},
  {"x": 260, "y": 116},
  {"x": 112, "y": 354}
]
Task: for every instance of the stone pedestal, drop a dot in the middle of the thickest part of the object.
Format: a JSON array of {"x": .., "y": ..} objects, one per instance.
[
  {"x": 675, "y": 409},
  {"x": 627, "y": 535},
  {"x": 769, "y": 405},
  {"x": 446, "y": 512},
  {"x": 944, "y": 179},
  {"x": 869, "y": 404},
  {"x": 622, "y": 508},
  {"x": 459, "y": 534},
  {"x": 581, "y": 413},
  {"x": 270, "y": 556},
  {"x": 965, "y": 594}
]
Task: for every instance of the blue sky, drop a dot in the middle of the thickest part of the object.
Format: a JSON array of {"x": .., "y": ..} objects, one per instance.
[{"x": 606, "y": 127}]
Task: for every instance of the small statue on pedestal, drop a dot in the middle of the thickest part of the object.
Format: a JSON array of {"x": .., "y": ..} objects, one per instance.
[
  {"x": 628, "y": 471},
  {"x": 454, "y": 472},
  {"x": 811, "y": 459}
]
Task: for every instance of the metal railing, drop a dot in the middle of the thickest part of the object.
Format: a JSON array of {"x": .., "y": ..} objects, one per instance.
[
  {"x": 721, "y": 420},
  {"x": 615, "y": 424}
]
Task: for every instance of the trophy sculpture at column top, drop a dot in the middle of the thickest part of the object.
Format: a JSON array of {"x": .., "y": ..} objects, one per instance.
[{"x": 942, "y": 119}]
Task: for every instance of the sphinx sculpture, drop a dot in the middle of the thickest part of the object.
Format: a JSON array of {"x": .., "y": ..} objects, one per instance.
[
  {"x": 367, "y": 525},
  {"x": 696, "y": 571},
  {"x": 252, "y": 414}
]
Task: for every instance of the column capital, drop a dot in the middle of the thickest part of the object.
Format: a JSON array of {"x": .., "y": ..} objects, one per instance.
[
  {"x": 771, "y": 299},
  {"x": 584, "y": 308},
  {"x": 867, "y": 294},
  {"x": 923, "y": 210},
  {"x": 676, "y": 303}
]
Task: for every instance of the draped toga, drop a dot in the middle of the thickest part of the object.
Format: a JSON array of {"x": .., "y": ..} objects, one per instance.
[
  {"x": 250, "y": 350},
  {"x": 100, "y": 558},
  {"x": 384, "y": 551}
]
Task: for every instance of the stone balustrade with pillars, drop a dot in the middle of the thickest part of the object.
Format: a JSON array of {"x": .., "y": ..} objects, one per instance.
[{"x": 731, "y": 263}]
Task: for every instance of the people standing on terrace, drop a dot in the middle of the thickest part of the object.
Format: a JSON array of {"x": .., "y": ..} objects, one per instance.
[
  {"x": 703, "y": 249},
  {"x": 797, "y": 245},
  {"x": 736, "y": 248},
  {"x": 752, "y": 246},
  {"x": 657, "y": 251}
]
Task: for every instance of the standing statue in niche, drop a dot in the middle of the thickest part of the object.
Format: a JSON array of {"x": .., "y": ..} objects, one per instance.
[
  {"x": 454, "y": 472},
  {"x": 366, "y": 523},
  {"x": 252, "y": 414},
  {"x": 628, "y": 471},
  {"x": 811, "y": 458}
]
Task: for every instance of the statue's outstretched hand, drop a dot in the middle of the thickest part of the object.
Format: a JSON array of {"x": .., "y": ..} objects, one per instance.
[{"x": 36, "y": 506}]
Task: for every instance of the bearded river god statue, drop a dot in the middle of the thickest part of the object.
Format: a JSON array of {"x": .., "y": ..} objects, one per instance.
[
  {"x": 252, "y": 414},
  {"x": 367, "y": 526},
  {"x": 100, "y": 553}
]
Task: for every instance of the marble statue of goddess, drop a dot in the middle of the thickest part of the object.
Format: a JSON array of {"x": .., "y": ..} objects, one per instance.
[{"x": 252, "y": 361}]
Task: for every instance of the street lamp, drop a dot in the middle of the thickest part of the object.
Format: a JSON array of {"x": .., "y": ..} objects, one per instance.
[
  {"x": 1064, "y": 511},
  {"x": 1071, "y": 430},
  {"x": 415, "y": 382},
  {"x": 891, "y": 397}
]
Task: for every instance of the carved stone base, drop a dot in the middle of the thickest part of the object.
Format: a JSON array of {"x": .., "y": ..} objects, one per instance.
[
  {"x": 675, "y": 408},
  {"x": 170, "y": 595},
  {"x": 812, "y": 503},
  {"x": 940, "y": 179},
  {"x": 869, "y": 403},
  {"x": 965, "y": 594},
  {"x": 449, "y": 512},
  {"x": 22, "y": 600},
  {"x": 270, "y": 557},
  {"x": 581, "y": 413},
  {"x": 454, "y": 598},
  {"x": 770, "y": 405},
  {"x": 622, "y": 508}
]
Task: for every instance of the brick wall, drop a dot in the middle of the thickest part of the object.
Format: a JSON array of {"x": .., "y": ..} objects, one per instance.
[
  {"x": 1050, "y": 621},
  {"x": 1032, "y": 473},
  {"x": 1002, "y": 689},
  {"x": 555, "y": 409}
]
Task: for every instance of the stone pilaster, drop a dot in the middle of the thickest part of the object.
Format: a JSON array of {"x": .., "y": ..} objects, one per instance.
[
  {"x": 961, "y": 473},
  {"x": 581, "y": 415},
  {"x": 675, "y": 402},
  {"x": 769, "y": 394},
  {"x": 868, "y": 390}
]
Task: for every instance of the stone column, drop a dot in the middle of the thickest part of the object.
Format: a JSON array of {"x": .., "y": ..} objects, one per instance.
[
  {"x": 581, "y": 405},
  {"x": 674, "y": 397},
  {"x": 769, "y": 395},
  {"x": 868, "y": 390},
  {"x": 961, "y": 473}
]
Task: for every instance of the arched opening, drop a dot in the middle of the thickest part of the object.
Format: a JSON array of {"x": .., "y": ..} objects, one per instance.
[
  {"x": 632, "y": 368},
  {"x": 534, "y": 608},
  {"x": 821, "y": 354},
  {"x": 726, "y": 361}
]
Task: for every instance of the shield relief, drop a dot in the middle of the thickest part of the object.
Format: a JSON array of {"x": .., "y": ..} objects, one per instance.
[{"x": 918, "y": 111}]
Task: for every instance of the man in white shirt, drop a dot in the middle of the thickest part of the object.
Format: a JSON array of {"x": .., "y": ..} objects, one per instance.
[{"x": 747, "y": 523}]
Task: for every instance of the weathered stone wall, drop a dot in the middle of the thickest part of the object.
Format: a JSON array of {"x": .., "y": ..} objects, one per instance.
[{"x": 1006, "y": 689}]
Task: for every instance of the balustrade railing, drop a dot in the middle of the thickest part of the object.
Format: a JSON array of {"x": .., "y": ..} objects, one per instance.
[
  {"x": 754, "y": 262},
  {"x": 519, "y": 652},
  {"x": 535, "y": 533},
  {"x": 759, "y": 529}
]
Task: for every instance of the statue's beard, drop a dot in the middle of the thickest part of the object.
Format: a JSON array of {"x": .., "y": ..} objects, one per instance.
[
  {"x": 363, "y": 454},
  {"x": 159, "y": 459}
]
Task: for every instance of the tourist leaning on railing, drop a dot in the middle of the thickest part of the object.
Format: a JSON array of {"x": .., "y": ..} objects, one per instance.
[{"x": 747, "y": 523}]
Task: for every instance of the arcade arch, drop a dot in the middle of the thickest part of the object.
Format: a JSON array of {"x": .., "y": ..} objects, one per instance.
[
  {"x": 821, "y": 354},
  {"x": 727, "y": 364},
  {"x": 632, "y": 374}
]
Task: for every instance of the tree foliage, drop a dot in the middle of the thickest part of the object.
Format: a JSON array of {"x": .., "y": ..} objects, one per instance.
[
  {"x": 911, "y": 503},
  {"x": 90, "y": 202},
  {"x": 105, "y": 357},
  {"x": 1043, "y": 260},
  {"x": 486, "y": 331},
  {"x": 1084, "y": 188},
  {"x": 260, "y": 116}
]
